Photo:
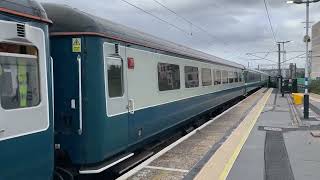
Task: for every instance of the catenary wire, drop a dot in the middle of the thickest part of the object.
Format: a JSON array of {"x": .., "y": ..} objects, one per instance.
[
  {"x": 270, "y": 23},
  {"x": 195, "y": 25},
  {"x": 160, "y": 19}
]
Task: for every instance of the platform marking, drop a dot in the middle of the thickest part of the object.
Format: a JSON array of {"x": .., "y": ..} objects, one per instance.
[
  {"x": 220, "y": 164},
  {"x": 171, "y": 146},
  {"x": 167, "y": 169},
  {"x": 277, "y": 164}
]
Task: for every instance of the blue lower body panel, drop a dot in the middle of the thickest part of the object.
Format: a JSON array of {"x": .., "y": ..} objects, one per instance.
[
  {"x": 252, "y": 86},
  {"x": 100, "y": 140},
  {"x": 154, "y": 120},
  {"x": 27, "y": 157}
]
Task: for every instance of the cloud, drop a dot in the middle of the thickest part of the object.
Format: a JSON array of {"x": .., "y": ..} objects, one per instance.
[{"x": 232, "y": 27}]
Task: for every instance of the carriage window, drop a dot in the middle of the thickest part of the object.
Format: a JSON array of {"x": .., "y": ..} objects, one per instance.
[
  {"x": 217, "y": 78},
  {"x": 224, "y": 77},
  {"x": 213, "y": 76},
  {"x": 206, "y": 77},
  {"x": 240, "y": 77},
  {"x": 191, "y": 76},
  {"x": 236, "y": 77},
  {"x": 168, "y": 76},
  {"x": 19, "y": 76},
  {"x": 249, "y": 78},
  {"x": 115, "y": 77},
  {"x": 230, "y": 77}
]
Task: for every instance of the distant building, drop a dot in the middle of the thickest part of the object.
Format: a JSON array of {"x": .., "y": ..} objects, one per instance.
[
  {"x": 286, "y": 73},
  {"x": 315, "y": 60}
]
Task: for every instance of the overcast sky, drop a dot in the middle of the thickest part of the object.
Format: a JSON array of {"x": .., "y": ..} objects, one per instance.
[{"x": 236, "y": 27}]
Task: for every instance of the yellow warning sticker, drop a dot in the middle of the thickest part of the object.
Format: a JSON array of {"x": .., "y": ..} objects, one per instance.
[{"x": 76, "y": 44}]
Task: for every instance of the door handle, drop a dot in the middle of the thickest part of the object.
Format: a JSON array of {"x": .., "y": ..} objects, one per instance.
[
  {"x": 73, "y": 104},
  {"x": 131, "y": 107}
]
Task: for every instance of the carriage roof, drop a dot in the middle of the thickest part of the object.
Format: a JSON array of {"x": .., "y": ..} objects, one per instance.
[
  {"x": 70, "y": 21},
  {"x": 24, "y": 8}
]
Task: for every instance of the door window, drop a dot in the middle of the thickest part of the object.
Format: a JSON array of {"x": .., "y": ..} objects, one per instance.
[
  {"x": 115, "y": 77},
  {"x": 19, "y": 76}
]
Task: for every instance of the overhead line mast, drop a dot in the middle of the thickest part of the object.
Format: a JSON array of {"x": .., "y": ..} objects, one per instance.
[{"x": 306, "y": 40}]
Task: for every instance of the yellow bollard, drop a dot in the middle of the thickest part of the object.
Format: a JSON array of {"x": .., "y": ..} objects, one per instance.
[{"x": 297, "y": 98}]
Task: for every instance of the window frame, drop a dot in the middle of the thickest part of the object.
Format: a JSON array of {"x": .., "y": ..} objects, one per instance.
[
  {"x": 26, "y": 55},
  {"x": 162, "y": 91},
  {"x": 240, "y": 74},
  {"x": 220, "y": 77},
  {"x": 202, "y": 70},
  {"x": 185, "y": 78},
  {"x": 122, "y": 76},
  {"x": 236, "y": 77},
  {"x": 230, "y": 77},
  {"x": 213, "y": 77},
  {"x": 225, "y": 79}
]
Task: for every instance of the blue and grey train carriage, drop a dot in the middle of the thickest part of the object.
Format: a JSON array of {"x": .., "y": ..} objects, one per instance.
[
  {"x": 118, "y": 89},
  {"x": 255, "y": 79},
  {"x": 26, "y": 123}
]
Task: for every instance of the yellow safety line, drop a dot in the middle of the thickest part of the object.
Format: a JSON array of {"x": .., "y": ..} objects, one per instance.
[
  {"x": 244, "y": 138},
  {"x": 247, "y": 125}
]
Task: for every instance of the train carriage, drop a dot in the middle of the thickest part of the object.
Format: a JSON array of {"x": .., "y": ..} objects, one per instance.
[
  {"x": 255, "y": 79},
  {"x": 118, "y": 88},
  {"x": 26, "y": 123}
]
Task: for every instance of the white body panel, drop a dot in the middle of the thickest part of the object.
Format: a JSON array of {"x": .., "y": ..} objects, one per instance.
[
  {"x": 142, "y": 81},
  {"x": 24, "y": 121}
]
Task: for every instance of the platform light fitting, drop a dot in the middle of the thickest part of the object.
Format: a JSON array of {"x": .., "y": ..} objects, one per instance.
[{"x": 301, "y": 2}]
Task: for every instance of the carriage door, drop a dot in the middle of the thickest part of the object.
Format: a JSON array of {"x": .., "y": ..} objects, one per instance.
[
  {"x": 24, "y": 104},
  {"x": 116, "y": 92}
]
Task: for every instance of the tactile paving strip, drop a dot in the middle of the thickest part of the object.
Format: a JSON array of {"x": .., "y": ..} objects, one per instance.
[{"x": 277, "y": 163}]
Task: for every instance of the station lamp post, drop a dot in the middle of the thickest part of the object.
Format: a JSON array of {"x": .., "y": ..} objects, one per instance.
[{"x": 306, "y": 40}]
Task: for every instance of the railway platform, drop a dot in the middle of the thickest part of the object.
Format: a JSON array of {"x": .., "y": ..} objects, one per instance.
[{"x": 262, "y": 137}]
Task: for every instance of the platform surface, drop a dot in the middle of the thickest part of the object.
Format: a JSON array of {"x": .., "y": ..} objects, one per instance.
[
  {"x": 289, "y": 151},
  {"x": 263, "y": 137},
  {"x": 184, "y": 159}
]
